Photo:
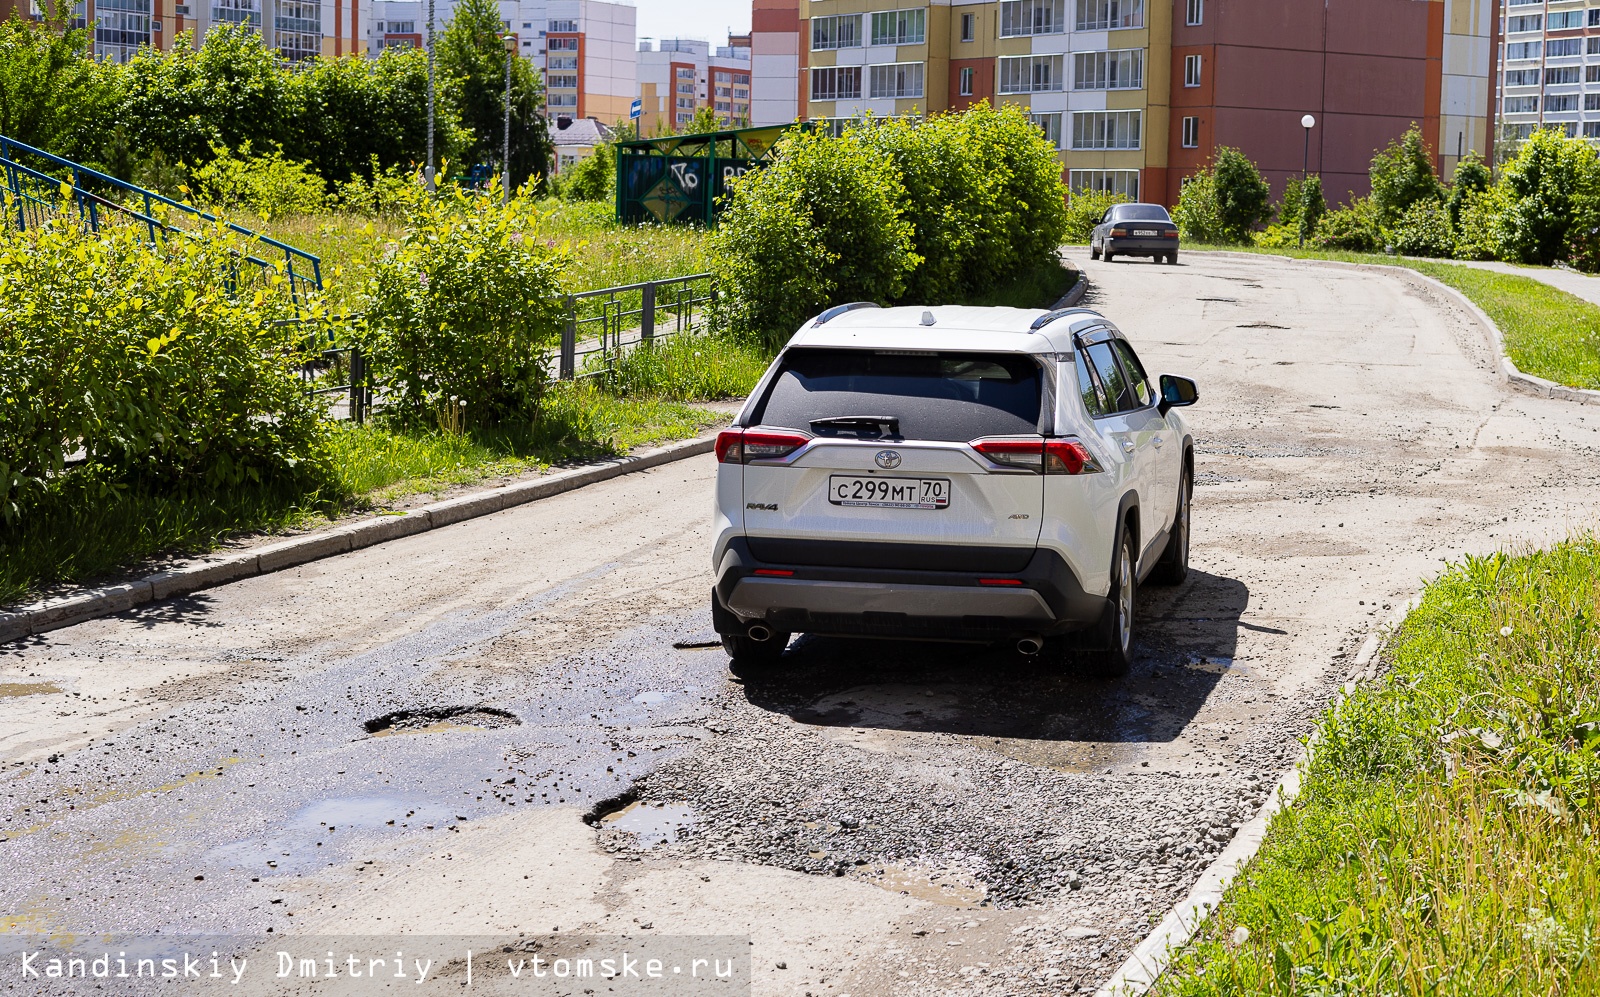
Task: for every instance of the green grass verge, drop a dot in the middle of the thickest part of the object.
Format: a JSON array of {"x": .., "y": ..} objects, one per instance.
[
  {"x": 1039, "y": 287},
  {"x": 83, "y": 535},
  {"x": 1446, "y": 840},
  {"x": 1548, "y": 333},
  {"x": 689, "y": 368}
]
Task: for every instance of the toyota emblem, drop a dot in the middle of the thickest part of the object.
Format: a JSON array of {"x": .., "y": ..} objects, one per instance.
[{"x": 887, "y": 459}]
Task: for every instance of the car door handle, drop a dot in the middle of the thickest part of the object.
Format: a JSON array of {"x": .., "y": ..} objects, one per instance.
[
  {"x": 1127, "y": 446},
  {"x": 1156, "y": 440}
]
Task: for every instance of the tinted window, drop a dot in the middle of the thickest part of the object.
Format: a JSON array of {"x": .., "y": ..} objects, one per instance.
[
  {"x": 1093, "y": 400},
  {"x": 1136, "y": 374},
  {"x": 1119, "y": 394},
  {"x": 1145, "y": 212},
  {"x": 932, "y": 396}
]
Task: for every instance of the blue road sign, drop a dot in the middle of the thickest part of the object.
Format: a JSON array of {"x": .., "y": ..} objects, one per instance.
[{"x": 637, "y": 108}]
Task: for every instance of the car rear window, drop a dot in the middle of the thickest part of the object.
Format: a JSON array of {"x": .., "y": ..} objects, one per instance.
[
  {"x": 854, "y": 394},
  {"x": 1140, "y": 212}
]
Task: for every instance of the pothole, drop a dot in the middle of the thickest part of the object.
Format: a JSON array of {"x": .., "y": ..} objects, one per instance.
[
  {"x": 1262, "y": 325},
  {"x": 650, "y": 824},
  {"x": 10, "y": 689},
  {"x": 945, "y": 887},
  {"x": 440, "y": 720}
]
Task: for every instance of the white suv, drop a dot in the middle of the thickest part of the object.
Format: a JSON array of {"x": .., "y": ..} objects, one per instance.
[{"x": 952, "y": 473}]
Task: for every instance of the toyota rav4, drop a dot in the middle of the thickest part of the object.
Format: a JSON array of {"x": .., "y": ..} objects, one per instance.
[{"x": 953, "y": 473}]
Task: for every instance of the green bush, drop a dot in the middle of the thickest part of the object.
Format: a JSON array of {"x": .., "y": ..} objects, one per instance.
[
  {"x": 53, "y": 95},
  {"x": 150, "y": 363},
  {"x": 1223, "y": 202},
  {"x": 820, "y": 224},
  {"x": 1549, "y": 191},
  {"x": 463, "y": 310},
  {"x": 1424, "y": 230},
  {"x": 1196, "y": 214},
  {"x": 592, "y": 178},
  {"x": 382, "y": 194},
  {"x": 1402, "y": 175},
  {"x": 1471, "y": 177},
  {"x": 1353, "y": 227},
  {"x": 1085, "y": 208},
  {"x": 269, "y": 186},
  {"x": 1478, "y": 227}
]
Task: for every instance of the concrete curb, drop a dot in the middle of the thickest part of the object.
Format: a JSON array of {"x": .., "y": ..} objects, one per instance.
[
  {"x": 1508, "y": 370},
  {"x": 65, "y": 611},
  {"x": 1151, "y": 957},
  {"x": 1076, "y": 292}
]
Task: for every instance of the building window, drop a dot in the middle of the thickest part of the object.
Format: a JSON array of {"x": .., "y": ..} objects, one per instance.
[
  {"x": 1102, "y": 15},
  {"x": 1120, "y": 69},
  {"x": 1557, "y": 48},
  {"x": 839, "y": 31},
  {"x": 1561, "y": 76},
  {"x": 246, "y": 12},
  {"x": 969, "y": 27},
  {"x": 1521, "y": 105},
  {"x": 1525, "y": 22},
  {"x": 1050, "y": 124},
  {"x": 1197, "y": 12},
  {"x": 1591, "y": 129},
  {"x": 1032, "y": 17},
  {"x": 1591, "y": 102},
  {"x": 562, "y": 45},
  {"x": 1592, "y": 45},
  {"x": 556, "y": 63},
  {"x": 1594, "y": 17},
  {"x": 1591, "y": 74},
  {"x": 1561, "y": 104},
  {"x": 1191, "y": 133},
  {"x": 1564, "y": 19},
  {"x": 562, "y": 82},
  {"x": 1191, "y": 70},
  {"x": 563, "y": 27},
  {"x": 899, "y": 27},
  {"x": 965, "y": 88},
  {"x": 1106, "y": 129},
  {"x": 1031, "y": 73},
  {"x": 836, "y": 83},
  {"x": 1523, "y": 50},
  {"x": 556, "y": 100},
  {"x": 1522, "y": 77},
  {"x": 402, "y": 27},
  {"x": 1124, "y": 182},
  {"x": 896, "y": 80}
]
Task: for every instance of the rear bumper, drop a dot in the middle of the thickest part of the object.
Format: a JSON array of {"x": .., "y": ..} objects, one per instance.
[
  {"x": 1131, "y": 246},
  {"x": 889, "y": 601}
]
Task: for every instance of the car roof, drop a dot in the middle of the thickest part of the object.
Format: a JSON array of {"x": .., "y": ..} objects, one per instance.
[{"x": 955, "y": 327}]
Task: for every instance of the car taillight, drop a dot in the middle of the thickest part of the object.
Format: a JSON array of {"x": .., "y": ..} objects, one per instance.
[
  {"x": 1169, "y": 233},
  {"x": 741, "y": 446},
  {"x": 1064, "y": 456},
  {"x": 1119, "y": 231}
]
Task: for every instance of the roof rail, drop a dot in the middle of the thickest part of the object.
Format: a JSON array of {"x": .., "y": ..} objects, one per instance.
[
  {"x": 838, "y": 310},
  {"x": 1048, "y": 317}
]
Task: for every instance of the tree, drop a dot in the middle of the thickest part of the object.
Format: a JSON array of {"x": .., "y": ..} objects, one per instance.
[
  {"x": 1243, "y": 198},
  {"x": 53, "y": 95},
  {"x": 471, "y": 52},
  {"x": 1402, "y": 174}
]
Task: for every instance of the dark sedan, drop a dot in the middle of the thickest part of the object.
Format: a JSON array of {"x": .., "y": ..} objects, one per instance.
[{"x": 1135, "y": 230}]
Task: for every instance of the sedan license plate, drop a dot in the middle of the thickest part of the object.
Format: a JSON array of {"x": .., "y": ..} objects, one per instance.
[
  {"x": 1145, "y": 231},
  {"x": 889, "y": 493}
]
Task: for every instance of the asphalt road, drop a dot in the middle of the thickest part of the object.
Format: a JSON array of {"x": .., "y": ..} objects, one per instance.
[{"x": 878, "y": 818}]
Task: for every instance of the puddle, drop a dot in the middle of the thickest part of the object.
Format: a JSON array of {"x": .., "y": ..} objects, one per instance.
[
  {"x": 652, "y": 698},
  {"x": 948, "y": 887},
  {"x": 9, "y": 689},
  {"x": 318, "y": 832},
  {"x": 1218, "y": 666},
  {"x": 441, "y": 720},
  {"x": 652, "y": 823}
]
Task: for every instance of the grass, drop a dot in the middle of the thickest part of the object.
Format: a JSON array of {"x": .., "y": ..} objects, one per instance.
[
  {"x": 1445, "y": 838},
  {"x": 1039, "y": 287},
  {"x": 83, "y": 535},
  {"x": 1548, "y": 333},
  {"x": 690, "y": 368}
]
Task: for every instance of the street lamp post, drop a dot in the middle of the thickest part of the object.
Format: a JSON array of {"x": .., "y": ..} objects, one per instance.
[
  {"x": 428, "y": 176},
  {"x": 1307, "y": 122},
  {"x": 505, "y": 134}
]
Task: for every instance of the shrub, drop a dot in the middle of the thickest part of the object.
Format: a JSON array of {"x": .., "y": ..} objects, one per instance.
[
  {"x": 383, "y": 194},
  {"x": 1549, "y": 188},
  {"x": 1402, "y": 174},
  {"x": 820, "y": 224},
  {"x": 1085, "y": 208},
  {"x": 463, "y": 310},
  {"x": 592, "y": 178},
  {"x": 52, "y": 95},
  {"x": 149, "y": 362},
  {"x": 270, "y": 186},
  {"x": 1478, "y": 228},
  {"x": 1223, "y": 202},
  {"x": 1196, "y": 213},
  {"x": 1353, "y": 227},
  {"x": 1471, "y": 177},
  {"x": 1424, "y": 230},
  {"x": 1299, "y": 213}
]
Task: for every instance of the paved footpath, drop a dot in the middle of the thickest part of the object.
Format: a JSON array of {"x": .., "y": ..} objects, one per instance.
[
  {"x": 1581, "y": 285},
  {"x": 876, "y": 818}
]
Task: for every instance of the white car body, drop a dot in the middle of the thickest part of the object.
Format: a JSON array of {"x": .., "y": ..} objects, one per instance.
[{"x": 1014, "y": 554}]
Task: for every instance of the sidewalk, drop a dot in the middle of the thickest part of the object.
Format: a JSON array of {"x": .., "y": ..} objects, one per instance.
[{"x": 1578, "y": 284}]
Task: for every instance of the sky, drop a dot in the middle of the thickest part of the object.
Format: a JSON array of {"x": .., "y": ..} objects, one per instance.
[{"x": 708, "y": 20}]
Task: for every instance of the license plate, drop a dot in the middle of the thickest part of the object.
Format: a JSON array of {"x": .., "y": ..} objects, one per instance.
[
  {"x": 1145, "y": 231},
  {"x": 889, "y": 493}
]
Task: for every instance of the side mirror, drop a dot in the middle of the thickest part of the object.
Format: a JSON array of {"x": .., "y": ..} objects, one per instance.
[{"x": 1176, "y": 392}]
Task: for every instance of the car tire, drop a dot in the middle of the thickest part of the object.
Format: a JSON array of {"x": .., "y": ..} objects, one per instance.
[
  {"x": 1094, "y": 251},
  {"x": 1106, "y": 649},
  {"x": 1172, "y": 258},
  {"x": 1173, "y": 567},
  {"x": 745, "y": 651},
  {"x": 1109, "y": 255}
]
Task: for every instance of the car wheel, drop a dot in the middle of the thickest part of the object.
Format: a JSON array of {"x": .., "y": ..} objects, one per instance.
[
  {"x": 745, "y": 651},
  {"x": 1107, "y": 649},
  {"x": 1109, "y": 255},
  {"x": 1172, "y": 258},
  {"x": 1173, "y": 567},
  {"x": 1094, "y": 251}
]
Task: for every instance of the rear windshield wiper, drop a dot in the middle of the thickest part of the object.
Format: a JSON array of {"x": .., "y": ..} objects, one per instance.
[{"x": 883, "y": 425}]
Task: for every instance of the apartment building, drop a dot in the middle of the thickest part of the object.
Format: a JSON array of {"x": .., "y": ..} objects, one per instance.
[
  {"x": 678, "y": 76},
  {"x": 583, "y": 47},
  {"x": 298, "y": 29},
  {"x": 775, "y": 62},
  {"x": 1548, "y": 71},
  {"x": 1137, "y": 94}
]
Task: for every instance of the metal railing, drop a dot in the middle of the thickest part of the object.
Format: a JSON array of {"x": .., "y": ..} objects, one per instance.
[
  {"x": 101, "y": 200},
  {"x": 607, "y": 323},
  {"x": 338, "y": 373}
]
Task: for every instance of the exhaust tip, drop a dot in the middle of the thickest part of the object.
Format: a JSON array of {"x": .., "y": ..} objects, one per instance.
[
  {"x": 1030, "y": 645},
  {"x": 759, "y": 632}
]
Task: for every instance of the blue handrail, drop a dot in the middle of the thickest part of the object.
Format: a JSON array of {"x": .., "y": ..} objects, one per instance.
[{"x": 30, "y": 206}]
